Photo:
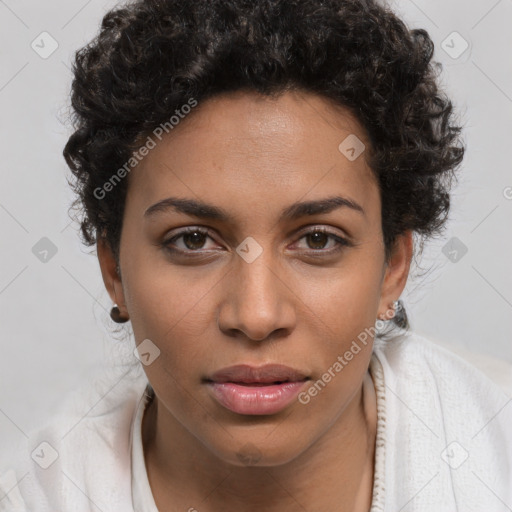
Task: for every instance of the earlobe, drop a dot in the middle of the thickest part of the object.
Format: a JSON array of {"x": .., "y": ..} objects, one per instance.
[
  {"x": 111, "y": 279},
  {"x": 396, "y": 274}
]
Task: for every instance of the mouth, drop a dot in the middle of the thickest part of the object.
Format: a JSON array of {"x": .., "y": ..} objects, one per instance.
[
  {"x": 256, "y": 383},
  {"x": 267, "y": 374},
  {"x": 245, "y": 389}
]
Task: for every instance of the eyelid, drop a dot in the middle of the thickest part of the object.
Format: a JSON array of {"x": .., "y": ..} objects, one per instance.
[
  {"x": 312, "y": 228},
  {"x": 341, "y": 241},
  {"x": 188, "y": 229}
]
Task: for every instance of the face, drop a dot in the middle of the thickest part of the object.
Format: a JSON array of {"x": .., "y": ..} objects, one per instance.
[{"x": 264, "y": 283}]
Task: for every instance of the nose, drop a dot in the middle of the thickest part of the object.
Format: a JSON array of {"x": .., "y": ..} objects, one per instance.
[{"x": 257, "y": 302}]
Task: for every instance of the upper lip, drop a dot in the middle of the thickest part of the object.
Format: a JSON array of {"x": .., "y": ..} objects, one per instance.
[{"x": 247, "y": 374}]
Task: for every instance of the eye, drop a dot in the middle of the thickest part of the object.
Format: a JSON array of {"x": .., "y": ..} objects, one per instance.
[
  {"x": 193, "y": 239},
  {"x": 319, "y": 237}
]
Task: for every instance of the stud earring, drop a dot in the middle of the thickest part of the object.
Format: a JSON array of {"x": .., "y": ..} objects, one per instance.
[
  {"x": 115, "y": 314},
  {"x": 393, "y": 307}
]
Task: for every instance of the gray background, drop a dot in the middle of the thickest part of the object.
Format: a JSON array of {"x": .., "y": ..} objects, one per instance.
[{"x": 56, "y": 332}]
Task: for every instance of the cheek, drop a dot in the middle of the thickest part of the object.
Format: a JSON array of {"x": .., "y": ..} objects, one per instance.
[
  {"x": 346, "y": 298},
  {"x": 343, "y": 306},
  {"x": 348, "y": 313},
  {"x": 170, "y": 302},
  {"x": 332, "y": 391},
  {"x": 174, "y": 314}
]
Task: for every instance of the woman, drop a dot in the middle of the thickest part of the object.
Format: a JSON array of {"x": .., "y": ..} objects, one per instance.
[{"x": 254, "y": 176}]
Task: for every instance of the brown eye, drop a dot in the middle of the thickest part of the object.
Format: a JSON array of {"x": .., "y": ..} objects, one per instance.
[
  {"x": 317, "y": 239},
  {"x": 194, "y": 239}
]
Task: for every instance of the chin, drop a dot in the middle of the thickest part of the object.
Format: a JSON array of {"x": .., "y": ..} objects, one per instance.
[{"x": 254, "y": 451}]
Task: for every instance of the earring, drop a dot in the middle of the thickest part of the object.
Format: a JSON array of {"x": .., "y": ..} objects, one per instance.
[
  {"x": 394, "y": 306},
  {"x": 115, "y": 314}
]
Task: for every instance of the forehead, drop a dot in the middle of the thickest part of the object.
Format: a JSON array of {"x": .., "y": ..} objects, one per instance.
[{"x": 255, "y": 150}]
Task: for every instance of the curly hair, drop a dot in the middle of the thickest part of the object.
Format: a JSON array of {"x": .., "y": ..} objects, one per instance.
[{"x": 151, "y": 56}]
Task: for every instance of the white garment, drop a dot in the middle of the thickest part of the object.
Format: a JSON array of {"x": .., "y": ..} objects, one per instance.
[
  {"x": 141, "y": 491},
  {"x": 444, "y": 441}
]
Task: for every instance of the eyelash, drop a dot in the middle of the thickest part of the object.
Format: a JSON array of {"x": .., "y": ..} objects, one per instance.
[{"x": 340, "y": 241}]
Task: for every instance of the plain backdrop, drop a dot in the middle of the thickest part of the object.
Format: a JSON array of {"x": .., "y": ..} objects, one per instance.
[{"x": 56, "y": 332}]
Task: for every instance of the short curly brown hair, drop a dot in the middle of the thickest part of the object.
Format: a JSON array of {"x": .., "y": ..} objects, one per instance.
[{"x": 151, "y": 56}]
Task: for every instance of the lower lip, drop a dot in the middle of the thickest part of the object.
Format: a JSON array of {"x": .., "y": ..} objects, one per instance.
[{"x": 246, "y": 399}]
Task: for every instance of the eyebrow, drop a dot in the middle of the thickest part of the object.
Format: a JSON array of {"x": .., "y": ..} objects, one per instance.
[{"x": 203, "y": 210}]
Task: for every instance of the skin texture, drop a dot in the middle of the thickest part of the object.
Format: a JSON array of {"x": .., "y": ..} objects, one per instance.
[{"x": 299, "y": 303}]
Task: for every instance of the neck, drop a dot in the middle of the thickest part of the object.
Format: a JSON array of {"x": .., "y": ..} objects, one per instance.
[{"x": 334, "y": 473}]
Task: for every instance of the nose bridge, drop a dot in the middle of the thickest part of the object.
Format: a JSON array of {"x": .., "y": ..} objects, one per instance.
[
  {"x": 257, "y": 299},
  {"x": 258, "y": 278}
]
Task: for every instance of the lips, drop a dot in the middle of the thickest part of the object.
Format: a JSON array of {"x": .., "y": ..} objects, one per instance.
[
  {"x": 268, "y": 374},
  {"x": 245, "y": 389}
]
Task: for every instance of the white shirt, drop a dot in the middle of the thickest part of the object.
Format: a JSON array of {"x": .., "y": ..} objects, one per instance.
[
  {"x": 444, "y": 441},
  {"x": 141, "y": 491}
]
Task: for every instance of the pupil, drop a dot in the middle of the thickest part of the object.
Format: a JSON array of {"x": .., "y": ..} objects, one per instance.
[
  {"x": 196, "y": 237},
  {"x": 317, "y": 238}
]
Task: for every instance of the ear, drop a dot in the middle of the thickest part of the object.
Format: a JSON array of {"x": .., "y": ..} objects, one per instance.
[
  {"x": 396, "y": 272},
  {"x": 111, "y": 278}
]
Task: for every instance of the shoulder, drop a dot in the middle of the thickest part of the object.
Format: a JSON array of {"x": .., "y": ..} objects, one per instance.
[
  {"x": 82, "y": 451},
  {"x": 409, "y": 353},
  {"x": 426, "y": 380},
  {"x": 446, "y": 420}
]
